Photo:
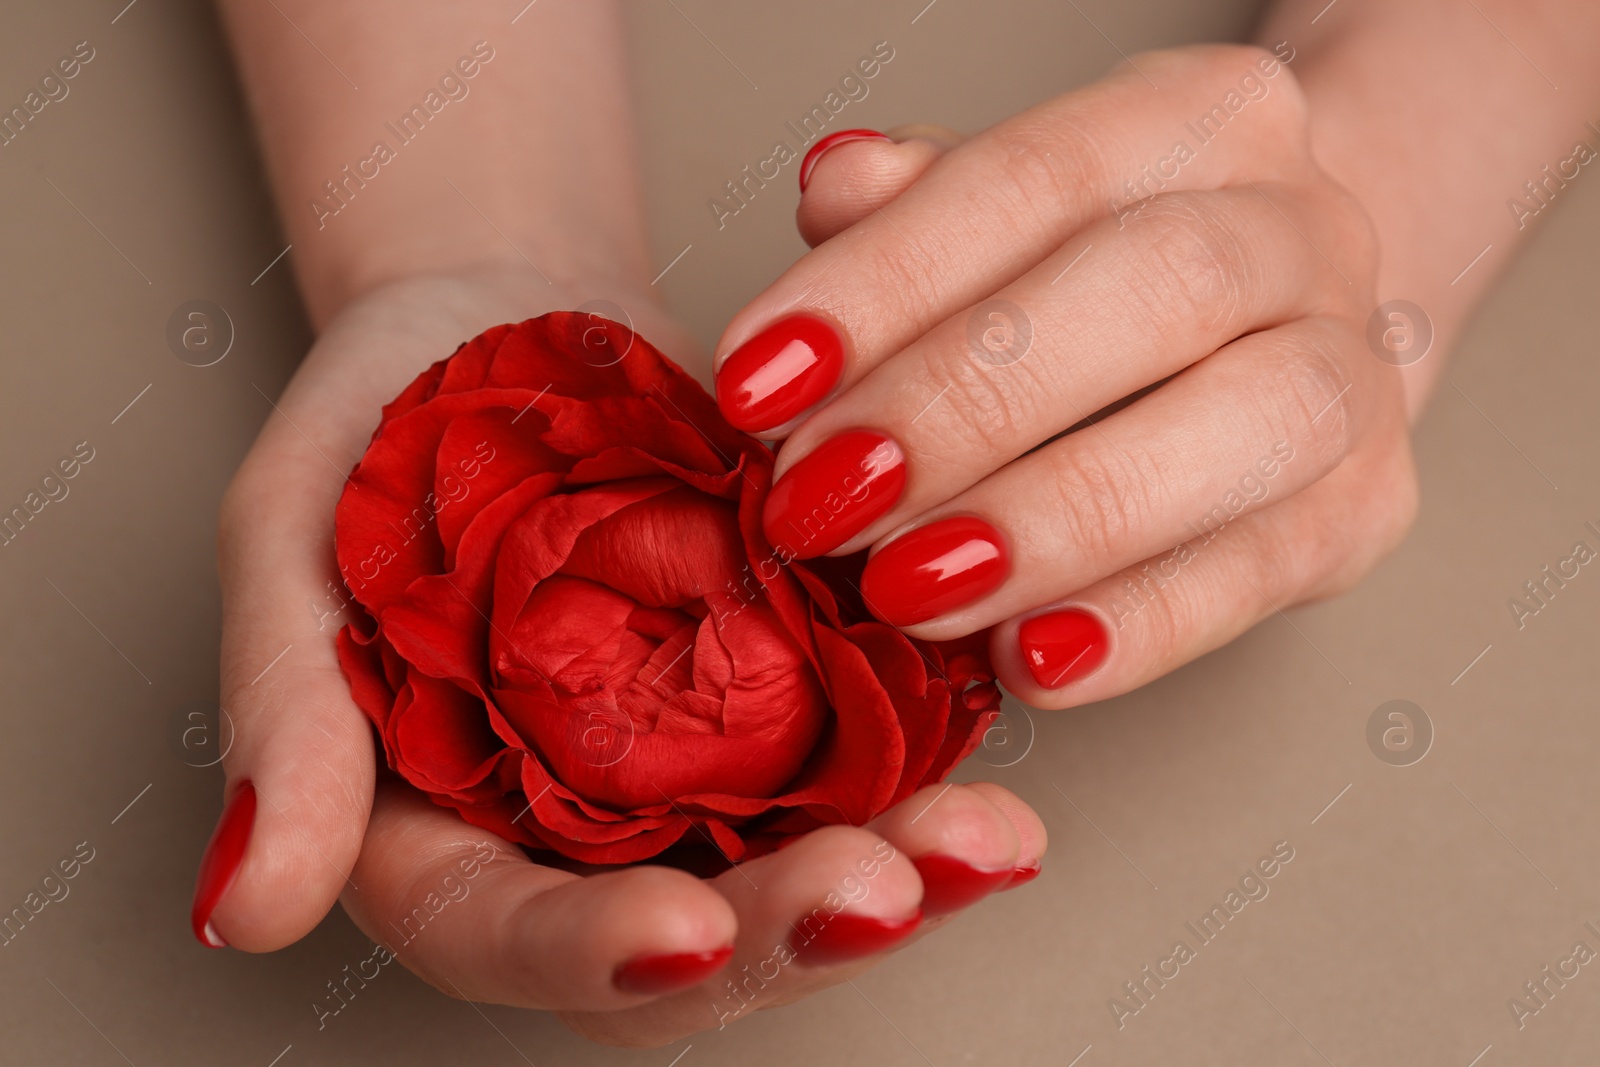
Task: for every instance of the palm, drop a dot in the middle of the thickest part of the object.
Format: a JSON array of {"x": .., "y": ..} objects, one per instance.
[{"x": 325, "y": 831}]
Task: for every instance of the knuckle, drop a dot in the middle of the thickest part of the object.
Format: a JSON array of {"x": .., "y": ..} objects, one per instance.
[
  {"x": 973, "y": 408},
  {"x": 1188, "y": 265},
  {"x": 1103, "y": 497},
  {"x": 1175, "y": 614},
  {"x": 1243, "y": 69},
  {"x": 1291, "y": 106},
  {"x": 1338, "y": 575},
  {"x": 1354, "y": 233},
  {"x": 1044, "y": 166},
  {"x": 1312, "y": 395},
  {"x": 1263, "y": 76},
  {"x": 895, "y": 276},
  {"x": 1385, "y": 503},
  {"x": 1277, "y": 564}
]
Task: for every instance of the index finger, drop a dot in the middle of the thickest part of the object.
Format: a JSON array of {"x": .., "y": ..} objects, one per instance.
[
  {"x": 993, "y": 207},
  {"x": 470, "y": 913}
]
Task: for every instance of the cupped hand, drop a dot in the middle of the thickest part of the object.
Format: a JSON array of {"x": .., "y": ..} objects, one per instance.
[
  {"x": 1097, "y": 377},
  {"x": 637, "y": 955}
]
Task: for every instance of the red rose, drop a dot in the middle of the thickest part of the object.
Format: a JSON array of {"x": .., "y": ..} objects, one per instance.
[{"x": 577, "y": 635}]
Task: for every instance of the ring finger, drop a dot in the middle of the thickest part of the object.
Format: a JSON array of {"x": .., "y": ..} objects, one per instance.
[
  {"x": 1164, "y": 611},
  {"x": 1252, "y": 424}
]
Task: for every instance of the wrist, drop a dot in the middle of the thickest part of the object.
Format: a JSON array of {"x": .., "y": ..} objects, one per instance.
[
  {"x": 463, "y": 148},
  {"x": 1404, "y": 130},
  {"x": 466, "y": 299},
  {"x": 339, "y": 274}
]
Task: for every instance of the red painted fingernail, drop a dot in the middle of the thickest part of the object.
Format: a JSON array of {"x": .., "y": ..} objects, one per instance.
[
  {"x": 841, "y": 488},
  {"x": 1024, "y": 875},
  {"x": 934, "y": 568},
  {"x": 833, "y": 140},
  {"x": 823, "y": 938},
  {"x": 949, "y": 884},
  {"x": 780, "y": 372},
  {"x": 221, "y": 862},
  {"x": 654, "y": 975},
  {"x": 1062, "y": 646}
]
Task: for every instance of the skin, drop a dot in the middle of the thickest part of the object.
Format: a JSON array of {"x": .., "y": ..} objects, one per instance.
[{"x": 1380, "y": 164}]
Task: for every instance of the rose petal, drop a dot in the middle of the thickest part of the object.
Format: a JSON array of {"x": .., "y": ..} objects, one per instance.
[
  {"x": 385, "y": 536},
  {"x": 538, "y": 543},
  {"x": 444, "y": 736},
  {"x": 361, "y": 660},
  {"x": 440, "y": 624},
  {"x": 481, "y": 457},
  {"x": 663, "y": 551},
  {"x": 640, "y": 423}
]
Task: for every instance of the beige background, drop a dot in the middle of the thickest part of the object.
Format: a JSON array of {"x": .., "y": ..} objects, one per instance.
[{"x": 1414, "y": 906}]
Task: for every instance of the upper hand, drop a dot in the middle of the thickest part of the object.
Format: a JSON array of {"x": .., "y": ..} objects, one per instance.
[{"x": 1206, "y": 301}]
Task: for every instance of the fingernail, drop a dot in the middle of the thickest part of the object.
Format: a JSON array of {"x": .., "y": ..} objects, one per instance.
[
  {"x": 654, "y": 975},
  {"x": 1062, "y": 646},
  {"x": 833, "y": 140},
  {"x": 221, "y": 862},
  {"x": 840, "y": 489},
  {"x": 949, "y": 884},
  {"x": 933, "y": 569},
  {"x": 829, "y": 939},
  {"x": 780, "y": 372},
  {"x": 1023, "y": 875}
]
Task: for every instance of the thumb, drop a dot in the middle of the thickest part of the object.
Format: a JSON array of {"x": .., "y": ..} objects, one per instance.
[
  {"x": 849, "y": 175},
  {"x": 301, "y": 767}
]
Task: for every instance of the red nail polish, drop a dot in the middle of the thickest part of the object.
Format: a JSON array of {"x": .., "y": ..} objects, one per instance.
[
  {"x": 221, "y": 862},
  {"x": 934, "y": 568},
  {"x": 780, "y": 372},
  {"x": 654, "y": 975},
  {"x": 1062, "y": 646},
  {"x": 833, "y": 140},
  {"x": 949, "y": 885},
  {"x": 1023, "y": 875},
  {"x": 841, "y": 488},
  {"x": 845, "y": 936}
]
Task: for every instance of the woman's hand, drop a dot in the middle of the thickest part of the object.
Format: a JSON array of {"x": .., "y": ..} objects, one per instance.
[
  {"x": 638, "y": 955},
  {"x": 1097, "y": 377}
]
